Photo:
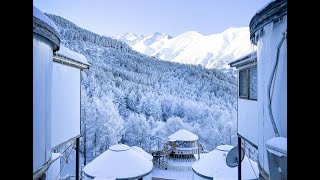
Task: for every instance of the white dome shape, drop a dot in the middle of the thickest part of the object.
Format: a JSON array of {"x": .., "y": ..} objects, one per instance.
[
  {"x": 120, "y": 162},
  {"x": 141, "y": 152},
  {"x": 213, "y": 165},
  {"x": 183, "y": 135}
]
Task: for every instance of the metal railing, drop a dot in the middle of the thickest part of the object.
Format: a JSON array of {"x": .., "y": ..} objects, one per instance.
[{"x": 171, "y": 167}]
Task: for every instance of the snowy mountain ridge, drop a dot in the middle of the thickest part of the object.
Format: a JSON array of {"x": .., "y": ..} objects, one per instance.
[{"x": 192, "y": 47}]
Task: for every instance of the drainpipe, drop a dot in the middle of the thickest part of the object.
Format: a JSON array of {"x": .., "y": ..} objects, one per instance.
[
  {"x": 77, "y": 158},
  {"x": 239, "y": 158}
]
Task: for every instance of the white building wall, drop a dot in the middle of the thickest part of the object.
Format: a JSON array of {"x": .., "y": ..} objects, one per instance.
[
  {"x": 248, "y": 119},
  {"x": 266, "y": 56},
  {"x": 65, "y": 103},
  {"x": 42, "y": 80}
]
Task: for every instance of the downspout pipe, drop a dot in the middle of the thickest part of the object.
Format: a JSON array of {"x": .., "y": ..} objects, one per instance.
[{"x": 270, "y": 84}]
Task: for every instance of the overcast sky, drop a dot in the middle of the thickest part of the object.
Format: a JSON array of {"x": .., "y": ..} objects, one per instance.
[{"x": 173, "y": 17}]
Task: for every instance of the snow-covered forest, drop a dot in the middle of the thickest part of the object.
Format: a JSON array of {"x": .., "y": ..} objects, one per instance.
[{"x": 135, "y": 99}]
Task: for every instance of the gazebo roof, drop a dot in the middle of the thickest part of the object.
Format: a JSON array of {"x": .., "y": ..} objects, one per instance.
[
  {"x": 143, "y": 153},
  {"x": 120, "y": 162},
  {"x": 183, "y": 135},
  {"x": 214, "y": 165}
]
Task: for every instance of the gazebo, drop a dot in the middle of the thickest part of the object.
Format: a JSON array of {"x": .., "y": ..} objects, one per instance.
[
  {"x": 118, "y": 162},
  {"x": 184, "y": 144},
  {"x": 213, "y": 166}
]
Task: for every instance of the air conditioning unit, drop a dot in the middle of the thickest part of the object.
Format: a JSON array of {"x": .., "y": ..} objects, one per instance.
[{"x": 277, "y": 158}]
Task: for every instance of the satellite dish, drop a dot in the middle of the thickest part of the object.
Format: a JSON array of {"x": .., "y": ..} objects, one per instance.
[{"x": 232, "y": 157}]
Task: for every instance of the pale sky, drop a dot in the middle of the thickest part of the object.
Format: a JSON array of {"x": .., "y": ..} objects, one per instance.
[{"x": 144, "y": 17}]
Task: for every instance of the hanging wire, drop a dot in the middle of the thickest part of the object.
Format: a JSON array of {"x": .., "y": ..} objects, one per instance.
[{"x": 67, "y": 158}]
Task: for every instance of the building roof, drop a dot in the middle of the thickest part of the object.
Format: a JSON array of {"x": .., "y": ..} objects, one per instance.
[
  {"x": 183, "y": 135},
  {"x": 45, "y": 27},
  {"x": 269, "y": 13},
  {"x": 38, "y": 14},
  {"x": 77, "y": 59},
  {"x": 120, "y": 162},
  {"x": 214, "y": 165},
  {"x": 141, "y": 152},
  {"x": 244, "y": 60}
]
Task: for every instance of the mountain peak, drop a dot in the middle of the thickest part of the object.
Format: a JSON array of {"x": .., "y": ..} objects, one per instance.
[
  {"x": 192, "y": 33},
  {"x": 130, "y": 36},
  {"x": 161, "y": 35}
]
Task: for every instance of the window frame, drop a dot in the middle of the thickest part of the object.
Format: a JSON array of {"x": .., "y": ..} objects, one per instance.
[{"x": 247, "y": 96}]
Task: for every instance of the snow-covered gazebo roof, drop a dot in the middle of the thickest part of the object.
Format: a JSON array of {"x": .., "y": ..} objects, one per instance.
[
  {"x": 120, "y": 162},
  {"x": 183, "y": 135},
  {"x": 143, "y": 153},
  {"x": 214, "y": 166},
  {"x": 65, "y": 55}
]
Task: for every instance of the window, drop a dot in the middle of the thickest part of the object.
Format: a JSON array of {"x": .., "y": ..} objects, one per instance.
[
  {"x": 243, "y": 83},
  {"x": 248, "y": 83}
]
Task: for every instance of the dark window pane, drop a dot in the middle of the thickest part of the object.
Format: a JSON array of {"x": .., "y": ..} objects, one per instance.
[
  {"x": 253, "y": 83},
  {"x": 243, "y": 90}
]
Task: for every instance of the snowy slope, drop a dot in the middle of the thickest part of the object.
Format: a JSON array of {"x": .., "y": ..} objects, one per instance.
[
  {"x": 211, "y": 51},
  {"x": 130, "y": 38}
]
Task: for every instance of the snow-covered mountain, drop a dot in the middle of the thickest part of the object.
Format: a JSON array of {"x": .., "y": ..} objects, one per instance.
[
  {"x": 131, "y": 98},
  {"x": 210, "y": 51},
  {"x": 130, "y": 38}
]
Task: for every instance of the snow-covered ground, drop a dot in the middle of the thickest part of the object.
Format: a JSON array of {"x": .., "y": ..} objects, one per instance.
[
  {"x": 69, "y": 168},
  {"x": 171, "y": 174}
]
